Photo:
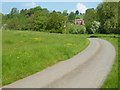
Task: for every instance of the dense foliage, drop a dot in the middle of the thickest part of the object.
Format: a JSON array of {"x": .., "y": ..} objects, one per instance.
[
  {"x": 103, "y": 19},
  {"x": 40, "y": 19},
  {"x": 75, "y": 29},
  {"x": 107, "y": 14}
]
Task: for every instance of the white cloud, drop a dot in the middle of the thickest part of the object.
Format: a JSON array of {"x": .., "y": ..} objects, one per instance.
[
  {"x": 81, "y": 7},
  {"x": 31, "y": 4}
]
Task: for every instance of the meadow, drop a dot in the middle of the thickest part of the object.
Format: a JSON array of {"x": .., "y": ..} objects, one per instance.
[{"x": 27, "y": 52}]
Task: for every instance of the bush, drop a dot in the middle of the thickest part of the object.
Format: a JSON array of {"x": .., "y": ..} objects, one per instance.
[
  {"x": 95, "y": 27},
  {"x": 75, "y": 29}
]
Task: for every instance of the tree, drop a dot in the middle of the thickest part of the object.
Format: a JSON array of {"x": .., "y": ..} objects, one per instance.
[
  {"x": 56, "y": 22},
  {"x": 37, "y": 21},
  {"x": 14, "y": 11},
  {"x": 45, "y": 11},
  {"x": 30, "y": 19},
  {"x": 71, "y": 17},
  {"x": 33, "y": 10},
  {"x": 65, "y": 13},
  {"x": 75, "y": 29},
  {"x": 23, "y": 11},
  {"x": 13, "y": 23},
  {"x": 59, "y": 12},
  {"x": 89, "y": 17},
  {"x": 95, "y": 27},
  {"x": 108, "y": 17},
  {"x": 76, "y": 12},
  {"x": 1, "y": 15}
]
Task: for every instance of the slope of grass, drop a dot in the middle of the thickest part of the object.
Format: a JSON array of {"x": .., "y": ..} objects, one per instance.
[{"x": 27, "y": 52}]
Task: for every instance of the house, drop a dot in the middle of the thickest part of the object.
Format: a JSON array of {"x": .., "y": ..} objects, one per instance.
[{"x": 79, "y": 21}]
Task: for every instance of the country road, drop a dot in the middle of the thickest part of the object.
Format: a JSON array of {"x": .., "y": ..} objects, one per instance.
[{"x": 87, "y": 69}]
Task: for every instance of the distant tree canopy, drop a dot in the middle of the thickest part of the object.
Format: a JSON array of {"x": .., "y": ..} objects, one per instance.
[
  {"x": 56, "y": 22},
  {"x": 14, "y": 11},
  {"x": 71, "y": 17},
  {"x": 1, "y": 15},
  {"x": 65, "y": 12},
  {"x": 103, "y": 19},
  {"x": 77, "y": 12},
  {"x": 37, "y": 19}
]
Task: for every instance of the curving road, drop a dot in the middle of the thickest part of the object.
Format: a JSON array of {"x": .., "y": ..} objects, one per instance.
[{"x": 87, "y": 69}]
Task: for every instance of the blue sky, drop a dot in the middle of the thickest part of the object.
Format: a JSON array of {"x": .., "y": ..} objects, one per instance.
[{"x": 58, "y": 6}]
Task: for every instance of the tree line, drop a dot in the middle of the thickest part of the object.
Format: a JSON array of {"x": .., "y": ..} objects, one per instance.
[
  {"x": 103, "y": 19},
  {"x": 106, "y": 15}
]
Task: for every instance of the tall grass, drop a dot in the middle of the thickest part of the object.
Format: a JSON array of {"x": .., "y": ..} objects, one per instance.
[{"x": 28, "y": 52}]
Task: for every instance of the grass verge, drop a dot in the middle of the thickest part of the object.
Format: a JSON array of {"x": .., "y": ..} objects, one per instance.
[{"x": 27, "y": 52}]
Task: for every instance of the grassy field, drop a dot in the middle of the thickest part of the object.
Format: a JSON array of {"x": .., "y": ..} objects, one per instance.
[{"x": 27, "y": 52}]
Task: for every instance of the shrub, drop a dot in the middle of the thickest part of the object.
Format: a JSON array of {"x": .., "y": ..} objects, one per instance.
[
  {"x": 75, "y": 29},
  {"x": 95, "y": 27}
]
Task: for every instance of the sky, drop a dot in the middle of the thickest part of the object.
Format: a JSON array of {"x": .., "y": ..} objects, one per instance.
[{"x": 58, "y": 6}]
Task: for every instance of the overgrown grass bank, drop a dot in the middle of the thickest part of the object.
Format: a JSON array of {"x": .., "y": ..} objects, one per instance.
[{"x": 27, "y": 52}]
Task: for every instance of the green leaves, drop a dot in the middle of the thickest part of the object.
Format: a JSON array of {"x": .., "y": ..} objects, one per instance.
[
  {"x": 75, "y": 29},
  {"x": 71, "y": 17},
  {"x": 95, "y": 27},
  {"x": 39, "y": 21},
  {"x": 56, "y": 22},
  {"x": 89, "y": 17},
  {"x": 14, "y": 11},
  {"x": 108, "y": 16}
]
